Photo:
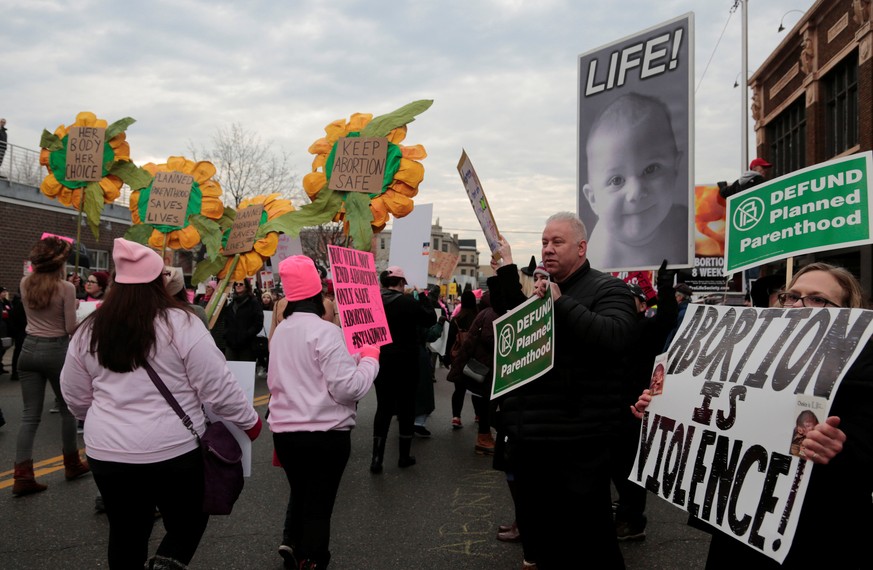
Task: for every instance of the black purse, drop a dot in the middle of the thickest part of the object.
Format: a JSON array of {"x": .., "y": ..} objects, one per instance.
[{"x": 222, "y": 456}]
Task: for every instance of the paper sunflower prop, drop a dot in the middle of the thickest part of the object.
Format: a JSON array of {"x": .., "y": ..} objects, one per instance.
[
  {"x": 362, "y": 213},
  {"x": 117, "y": 169},
  {"x": 276, "y": 211},
  {"x": 200, "y": 221}
]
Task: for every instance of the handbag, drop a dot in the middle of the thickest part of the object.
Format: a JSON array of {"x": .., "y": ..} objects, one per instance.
[
  {"x": 222, "y": 456},
  {"x": 477, "y": 376}
]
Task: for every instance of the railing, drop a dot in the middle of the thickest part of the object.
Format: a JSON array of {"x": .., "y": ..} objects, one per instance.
[{"x": 21, "y": 165}]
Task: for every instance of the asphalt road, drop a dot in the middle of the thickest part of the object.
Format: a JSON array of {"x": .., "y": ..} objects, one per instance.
[{"x": 441, "y": 514}]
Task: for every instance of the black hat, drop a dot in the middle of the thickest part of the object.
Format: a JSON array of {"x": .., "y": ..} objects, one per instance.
[
  {"x": 684, "y": 289},
  {"x": 530, "y": 267}
]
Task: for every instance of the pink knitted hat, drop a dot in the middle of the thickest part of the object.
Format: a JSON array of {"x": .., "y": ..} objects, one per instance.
[
  {"x": 135, "y": 263},
  {"x": 300, "y": 279}
]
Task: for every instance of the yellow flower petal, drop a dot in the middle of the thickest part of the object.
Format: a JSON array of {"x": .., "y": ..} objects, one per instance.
[
  {"x": 156, "y": 240},
  {"x": 404, "y": 188},
  {"x": 188, "y": 237},
  {"x": 380, "y": 212},
  {"x": 267, "y": 245},
  {"x": 50, "y": 186},
  {"x": 212, "y": 208},
  {"x": 335, "y": 130},
  {"x": 358, "y": 121},
  {"x": 203, "y": 171},
  {"x": 321, "y": 146},
  {"x": 398, "y": 204},
  {"x": 397, "y": 135},
  {"x": 313, "y": 182},
  {"x": 410, "y": 172},
  {"x": 210, "y": 188},
  {"x": 414, "y": 152}
]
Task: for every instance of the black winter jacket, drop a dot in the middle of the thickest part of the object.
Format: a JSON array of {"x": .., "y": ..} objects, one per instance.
[{"x": 595, "y": 322}]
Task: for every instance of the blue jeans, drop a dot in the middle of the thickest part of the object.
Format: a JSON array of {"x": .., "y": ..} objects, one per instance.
[{"x": 41, "y": 361}]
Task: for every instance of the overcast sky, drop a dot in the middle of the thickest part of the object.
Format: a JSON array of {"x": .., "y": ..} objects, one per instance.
[{"x": 502, "y": 74}]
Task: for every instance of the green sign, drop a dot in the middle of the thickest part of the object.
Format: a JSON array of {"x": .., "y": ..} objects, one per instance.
[
  {"x": 524, "y": 344},
  {"x": 819, "y": 208}
]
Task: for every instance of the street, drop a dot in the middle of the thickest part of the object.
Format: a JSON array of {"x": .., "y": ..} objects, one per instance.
[{"x": 441, "y": 513}]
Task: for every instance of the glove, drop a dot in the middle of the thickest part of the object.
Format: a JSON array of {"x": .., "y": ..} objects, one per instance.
[
  {"x": 666, "y": 277},
  {"x": 370, "y": 351},
  {"x": 254, "y": 431}
]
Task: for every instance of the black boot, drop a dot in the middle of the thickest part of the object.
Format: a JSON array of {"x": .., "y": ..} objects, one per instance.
[
  {"x": 405, "y": 460},
  {"x": 378, "y": 454}
]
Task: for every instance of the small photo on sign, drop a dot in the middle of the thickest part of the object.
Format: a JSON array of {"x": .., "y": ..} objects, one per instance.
[
  {"x": 359, "y": 164},
  {"x": 168, "y": 200},
  {"x": 656, "y": 385},
  {"x": 810, "y": 411},
  {"x": 85, "y": 154},
  {"x": 244, "y": 230}
]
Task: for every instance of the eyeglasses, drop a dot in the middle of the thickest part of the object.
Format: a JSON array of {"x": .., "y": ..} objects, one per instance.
[
  {"x": 788, "y": 299},
  {"x": 94, "y": 281},
  {"x": 238, "y": 283}
]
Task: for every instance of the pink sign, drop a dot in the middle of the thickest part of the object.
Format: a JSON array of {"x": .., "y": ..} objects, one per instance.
[{"x": 356, "y": 289}]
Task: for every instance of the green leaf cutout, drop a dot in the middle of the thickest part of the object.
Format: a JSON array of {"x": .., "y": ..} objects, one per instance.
[
  {"x": 132, "y": 175},
  {"x": 207, "y": 268},
  {"x": 50, "y": 141},
  {"x": 140, "y": 233},
  {"x": 210, "y": 234},
  {"x": 118, "y": 127},
  {"x": 93, "y": 196},
  {"x": 360, "y": 218},
  {"x": 384, "y": 124}
]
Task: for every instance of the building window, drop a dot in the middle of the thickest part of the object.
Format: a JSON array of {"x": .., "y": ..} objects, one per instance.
[
  {"x": 382, "y": 243},
  {"x": 436, "y": 244},
  {"x": 445, "y": 247},
  {"x": 99, "y": 260},
  {"x": 787, "y": 135},
  {"x": 841, "y": 104},
  {"x": 463, "y": 258},
  {"x": 463, "y": 271}
]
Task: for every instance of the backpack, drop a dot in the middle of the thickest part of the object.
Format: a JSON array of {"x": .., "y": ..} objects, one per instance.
[{"x": 460, "y": 338}]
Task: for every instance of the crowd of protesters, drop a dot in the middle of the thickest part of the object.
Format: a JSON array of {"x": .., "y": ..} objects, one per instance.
[{"x": 565, "y": 441}]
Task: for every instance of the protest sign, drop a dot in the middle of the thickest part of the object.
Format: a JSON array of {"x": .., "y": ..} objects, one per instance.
[
  {"x": 359, "y": 164},
  {"x": 709, "y": 230},
  {"x": 244, "y": 230},
  {"x": 85, "y": 154},
  {"x": 410, "y": 244},
  {"x": 358, "y": 298},
  {"x": 168, "y": 199},
  {"x": 286, "y": 247},
  {"x": 823, "y": 207},
  {"x": 244, "y": 372},
  {"x": 717, "y": 441},
  {"x": 479, "y": 202},
  {"x": 636, "y": 148},
  {"x": 523, "y": 344},
  {"x": 641, "y": 278},
  {"x": 442, "y": 264}
]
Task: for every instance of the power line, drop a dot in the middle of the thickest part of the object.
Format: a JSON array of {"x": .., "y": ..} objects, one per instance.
[{"x": 702, "y": 75}]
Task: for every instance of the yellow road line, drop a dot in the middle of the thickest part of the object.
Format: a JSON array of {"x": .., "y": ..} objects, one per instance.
[{"x": 53, "y": 464}]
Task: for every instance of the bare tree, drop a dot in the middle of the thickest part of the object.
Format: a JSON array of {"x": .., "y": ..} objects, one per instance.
[
  {"x": 315, "y": 240},
  {"x": 248, "y": 166}
]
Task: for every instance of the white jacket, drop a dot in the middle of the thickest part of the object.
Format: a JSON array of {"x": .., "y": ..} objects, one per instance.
[
  {"x": 127, "y": 420},
  {"x": 314, "y": 382}
]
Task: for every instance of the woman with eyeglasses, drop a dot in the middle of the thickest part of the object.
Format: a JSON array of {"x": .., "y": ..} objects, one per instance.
[
  {"x": 243, "y": 320},
  {"x": 837, "y": 516},
  {"x": 95, "y": 286}
]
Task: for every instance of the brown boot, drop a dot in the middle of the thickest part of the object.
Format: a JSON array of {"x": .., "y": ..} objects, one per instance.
[
  {"x": 74, "y": 466},
  {"x": 484, "y": 444},
  {"x": 24, "y": 481}
]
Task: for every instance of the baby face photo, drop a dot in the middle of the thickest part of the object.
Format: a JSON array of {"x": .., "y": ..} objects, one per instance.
[{"x": 634, "y": 173}]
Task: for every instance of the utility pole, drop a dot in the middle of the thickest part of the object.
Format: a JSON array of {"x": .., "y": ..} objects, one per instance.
[{"x": 744, "y": 103}]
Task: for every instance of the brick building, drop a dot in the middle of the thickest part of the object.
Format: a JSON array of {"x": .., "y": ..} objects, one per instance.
[
  {"x": 25, "y": 213},
  {"x": 812, "y": 101}
]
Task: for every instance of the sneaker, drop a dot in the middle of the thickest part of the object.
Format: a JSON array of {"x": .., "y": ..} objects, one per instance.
[
  {"x": 456, "y": 423},
  {"x": 525, "y": 565},
  {"x": 80, "y": 427},
  {"x": 626, "y": 531},
  {"x": 421, "y": 431}
]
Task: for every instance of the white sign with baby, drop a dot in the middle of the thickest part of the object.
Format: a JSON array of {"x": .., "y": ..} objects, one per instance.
[{"x": 636, "y": 151}]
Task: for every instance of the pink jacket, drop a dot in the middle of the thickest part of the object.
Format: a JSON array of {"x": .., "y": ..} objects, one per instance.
[
  {"x": 314, "y": 382},
  {"x": 126, "y": 418}
]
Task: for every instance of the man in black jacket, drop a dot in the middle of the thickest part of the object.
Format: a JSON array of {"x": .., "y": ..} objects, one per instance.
[{"x": 562, "y": 426}]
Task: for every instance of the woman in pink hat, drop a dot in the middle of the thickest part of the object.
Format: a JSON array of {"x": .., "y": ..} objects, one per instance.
[
  {"x": 315, "y": 385},
  {"x": 50, "y": 306},
  {"x": 140, "y": 452}
]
